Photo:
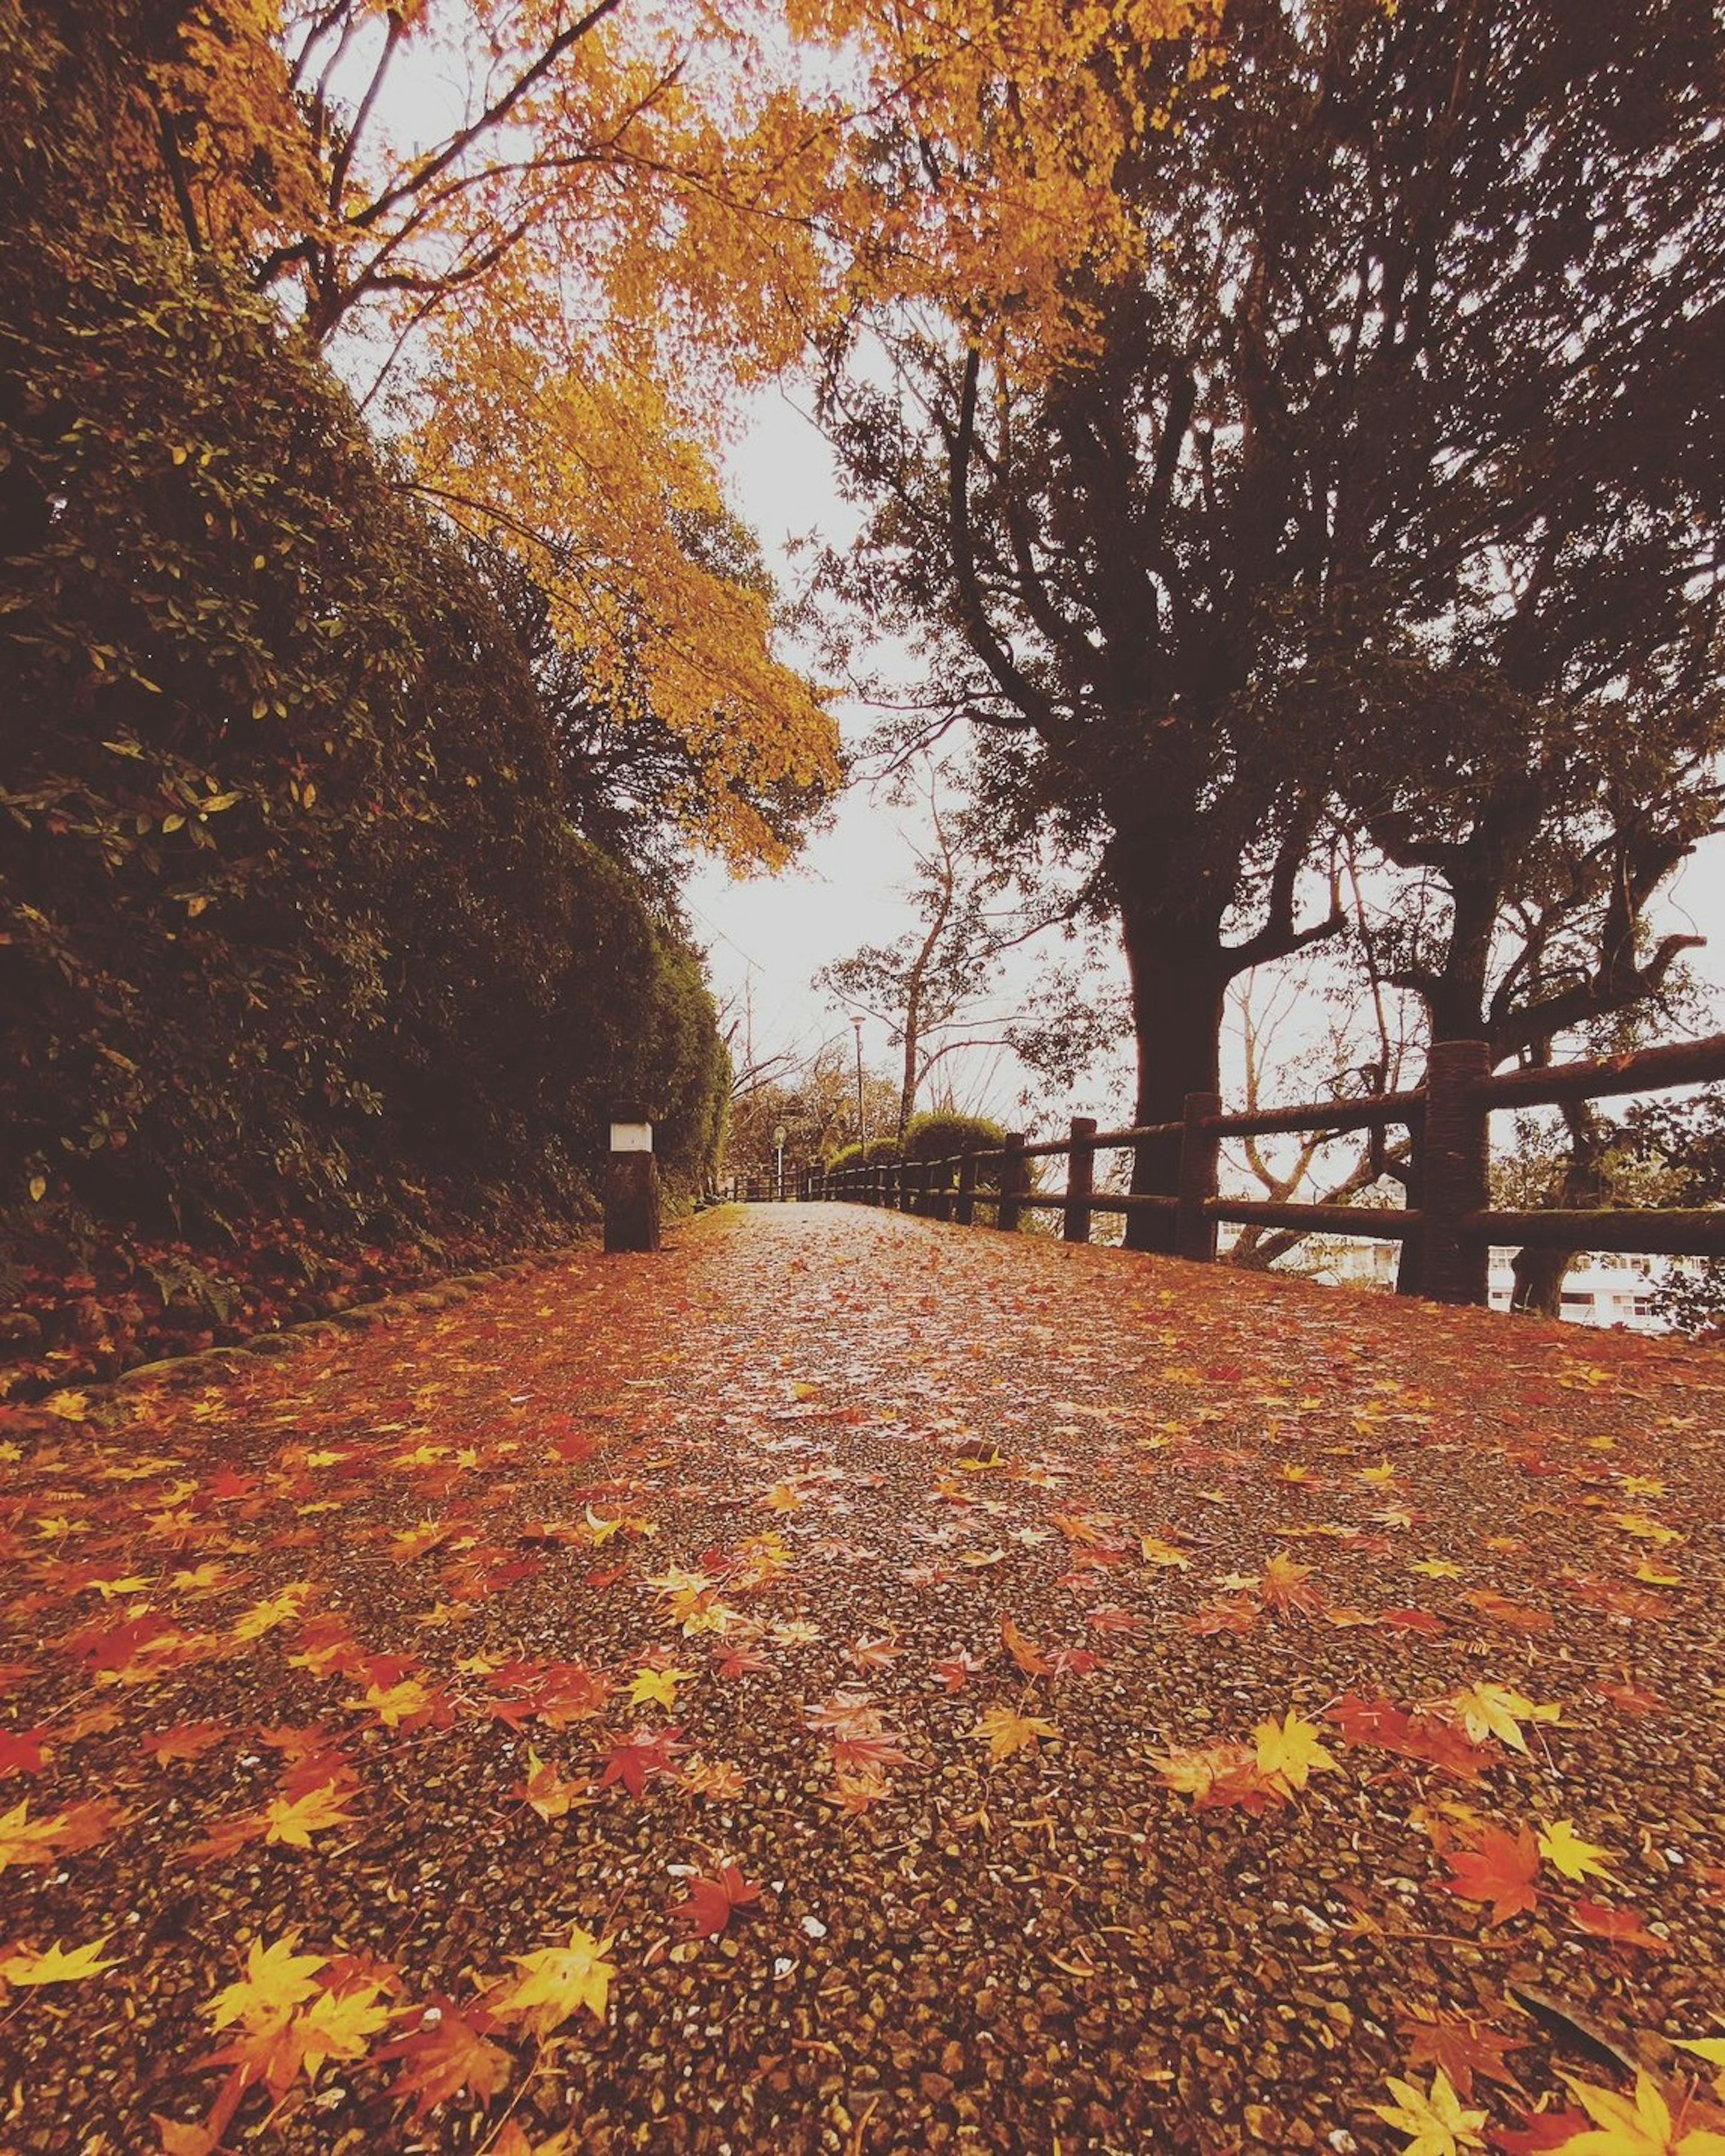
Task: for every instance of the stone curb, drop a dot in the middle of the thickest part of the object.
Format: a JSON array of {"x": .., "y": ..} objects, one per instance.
[{"x": 230, "y": 1359}]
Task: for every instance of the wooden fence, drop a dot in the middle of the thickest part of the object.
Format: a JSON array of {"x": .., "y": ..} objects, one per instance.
[{"x": 1452, "y": 1229}]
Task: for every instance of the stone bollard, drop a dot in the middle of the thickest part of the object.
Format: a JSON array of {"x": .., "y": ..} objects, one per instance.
[{"x": 631, "y": 1189}]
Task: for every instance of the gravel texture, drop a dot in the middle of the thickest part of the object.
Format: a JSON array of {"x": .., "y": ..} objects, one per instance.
[{"x": 812, "y": 1458}]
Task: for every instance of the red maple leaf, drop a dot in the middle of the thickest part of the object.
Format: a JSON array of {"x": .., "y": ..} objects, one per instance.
[
  {"x": 642, "y": 1756},
  {"x": 1463, "y": 2047},
  {"x": 448, "y": 2053},
  {"x": 1500, "y": 1868},
  {"x": 736, "y": 1663},
  {"x": 1632, "y": 1698},
  {"x": 1387, "y": 1728},
  {"x": 187, "y": 1741},
  {"x": 712, "y": 1901},
  {"x": 868, "y": 1752},
  {"x": 1622, "y": 1927},
  {"x": 22, "y": 1750}
]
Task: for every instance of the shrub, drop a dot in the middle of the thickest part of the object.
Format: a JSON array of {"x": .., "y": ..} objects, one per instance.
[{"x": 937, "y": 1136}]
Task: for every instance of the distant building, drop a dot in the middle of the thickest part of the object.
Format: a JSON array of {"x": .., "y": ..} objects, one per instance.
[{"x": 1599, "y": 1290}]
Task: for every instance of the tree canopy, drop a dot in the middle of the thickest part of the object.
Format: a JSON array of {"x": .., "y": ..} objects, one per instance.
[{"x": 1382, "y": 466}]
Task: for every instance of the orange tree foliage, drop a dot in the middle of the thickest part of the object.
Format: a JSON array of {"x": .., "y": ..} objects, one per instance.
[{"x": 559, "y": 276}]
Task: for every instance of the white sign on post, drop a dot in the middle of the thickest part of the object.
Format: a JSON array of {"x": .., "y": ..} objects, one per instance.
[{"x": 631, "y": 1137}]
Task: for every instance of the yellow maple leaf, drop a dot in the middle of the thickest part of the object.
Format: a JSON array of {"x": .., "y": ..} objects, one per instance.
[
  {"x": 1563, "y": 1848},
  {"x": 279, "y": 1610},
  {"x": 656, "y": 1687},
  {"x": 556, "y": 1982},
  {"x": 1008, "y": 1733},
  {"x": 1291, "y": 1750},
  {"x": 292, "y": 1825},
  {"x": 1643, "y": 2127},
  {"x": 1433, "y": 2117},
  {"x": 1495, "y": 1710},
  {"x": 1645, "y": 1527},
  {"x": 276, "y": 1981},
  {"x": 58, "y": 1965},
  {"x": 339, "y": 2024},
  {"x": 392, "y": 1704}
]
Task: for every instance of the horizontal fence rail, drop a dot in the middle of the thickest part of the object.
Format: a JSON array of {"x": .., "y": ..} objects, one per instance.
[{"x": 1448, "y": 1119}]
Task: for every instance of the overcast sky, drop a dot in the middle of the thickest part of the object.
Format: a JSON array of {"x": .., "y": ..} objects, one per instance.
[{"x": 767, "y": 938}]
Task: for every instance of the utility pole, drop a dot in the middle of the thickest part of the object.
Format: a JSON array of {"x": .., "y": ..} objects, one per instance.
[{"x": 862, "y": 1136}]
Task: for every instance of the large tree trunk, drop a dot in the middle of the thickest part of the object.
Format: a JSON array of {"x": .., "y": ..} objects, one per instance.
[{"x": 1180, "y": 978}]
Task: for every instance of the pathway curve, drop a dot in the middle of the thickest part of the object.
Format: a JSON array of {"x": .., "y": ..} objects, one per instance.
[{"x": 855, "y": 1683}]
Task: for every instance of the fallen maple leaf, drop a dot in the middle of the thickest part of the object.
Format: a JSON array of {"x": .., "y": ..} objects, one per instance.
[
  {"x": 24, "y": 1965},
  {"x": 712, "y": 1902},
  {"x": 1500, "y": 1868},
  {"x": 293, "y": 1823},
  {"x": 276, "y": 1981},
  {"x": 1495, "y": 1710},
  {"x": 1291, "y": 1750},
  {"x": 1433, "y": 2117},
  {"x": 657, "y": 1687},
  {"x": 738, "y": 1662},
  {"x": 644, "y": 1755},
  {"x": 187, "y": 1741},
  {"x": 289, "y": 2022},
  {"x": 1566, "y": 1852},
  {"x": 448, "y": 2053},
  {"x": 556, "y": 1982},
  {"x": 1643, "y": 2127},
  {"x": 23, "y": 1751},
  {"x": 1709, "y": 2048},
  {"x": 545, "y": 1790},
  {"x": 1008, "y": 1733},
  {"x": 1621, "y": 1926},
  {"x": 1461, "y": 2046},
  {"x": 1029, "y": 1656}
]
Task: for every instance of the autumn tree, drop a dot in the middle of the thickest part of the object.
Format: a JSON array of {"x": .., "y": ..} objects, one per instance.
[
  {"x": 1390, "y": 277},
  {"x": 815, "y": 1100}
]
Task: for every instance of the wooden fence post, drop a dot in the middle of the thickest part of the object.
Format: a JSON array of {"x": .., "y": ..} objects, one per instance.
[
  {"x": 939, "y": 1196},
  {"x": 1080, "y": 1180},
  {"x": 964, "y": 1204},
  {"x": 1454, "y": 1266},
  {"x": 1194, "y": 1231},
  {"x": 1014, "y": 1182}
]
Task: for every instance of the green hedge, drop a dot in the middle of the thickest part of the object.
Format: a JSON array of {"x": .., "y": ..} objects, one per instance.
[{"x": 291, "y": 913}]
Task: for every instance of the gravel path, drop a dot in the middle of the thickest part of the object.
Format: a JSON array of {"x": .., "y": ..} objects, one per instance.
[{"x": 829, "y": 1687}]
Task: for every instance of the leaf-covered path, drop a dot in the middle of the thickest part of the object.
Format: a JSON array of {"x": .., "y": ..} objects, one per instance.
[{"x": 855, "y": 1683}]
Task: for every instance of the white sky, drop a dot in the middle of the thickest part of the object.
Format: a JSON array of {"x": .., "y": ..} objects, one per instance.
[{"x": 767, "y": 937}]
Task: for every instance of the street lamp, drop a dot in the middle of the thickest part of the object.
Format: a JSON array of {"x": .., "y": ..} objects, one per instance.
[{"x": 862, "y": 1136}]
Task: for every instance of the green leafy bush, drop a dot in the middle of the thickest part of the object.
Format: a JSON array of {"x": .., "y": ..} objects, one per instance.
[{"x": 937, "y": 1136}]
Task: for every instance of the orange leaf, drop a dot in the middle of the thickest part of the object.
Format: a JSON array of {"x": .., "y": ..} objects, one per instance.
[{"x": 1500, "y": 1868}]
